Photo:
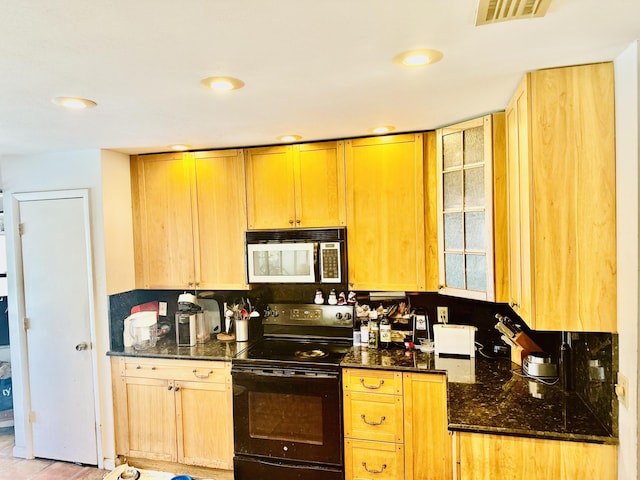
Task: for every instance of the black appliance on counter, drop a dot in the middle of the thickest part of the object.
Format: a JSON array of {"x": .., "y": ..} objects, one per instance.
[{"x": 287, "y": 398}]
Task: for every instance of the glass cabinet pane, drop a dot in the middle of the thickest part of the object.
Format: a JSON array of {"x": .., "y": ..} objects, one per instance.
[
  {"x": 476, "y": 272},
  {"x": 453, "y": 190},
  {"x": 474, "y": 187},
  {"x": 474, "y": 231},
  {"x": 453, "y": 231},
  {"x": 454, "y": 270},
  {"x": 452, "y": 150},
  {"x": 474, "y": 145}
]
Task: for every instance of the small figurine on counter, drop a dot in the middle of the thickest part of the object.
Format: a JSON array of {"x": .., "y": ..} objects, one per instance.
[
  {"x": 351, "y": 299},
  {"x": 319, "y": 298},
  {"x": 342, "y": 299},
  {"x": 332, "y": 300}
]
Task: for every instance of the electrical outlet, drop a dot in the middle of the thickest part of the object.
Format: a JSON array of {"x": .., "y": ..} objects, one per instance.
[
  {"x": 622, "y": 390},
  {"x": 162, "y": 307},
  {"x": 443, "y": 314}
]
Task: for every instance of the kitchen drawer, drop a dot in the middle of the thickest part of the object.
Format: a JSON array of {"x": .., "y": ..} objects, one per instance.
[
  {"x": 367, "y": 460},
  {"x": 190, "y": 370},
  {"x": 372, "y": 381},
  {"x": 371, "y": 416}
]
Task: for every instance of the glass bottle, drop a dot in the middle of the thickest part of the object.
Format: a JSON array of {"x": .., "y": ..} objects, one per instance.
[
  {"x": 385, "y": 332},
  {"x": 374, "y": 334}
]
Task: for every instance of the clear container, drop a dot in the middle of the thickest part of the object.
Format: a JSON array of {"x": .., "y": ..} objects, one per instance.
[{"x": 203, "y": 328}]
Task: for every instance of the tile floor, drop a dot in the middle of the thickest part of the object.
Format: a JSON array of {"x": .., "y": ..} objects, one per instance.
[{"x": 12, "y": 468}]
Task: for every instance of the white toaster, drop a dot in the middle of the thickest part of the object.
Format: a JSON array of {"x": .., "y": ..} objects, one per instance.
[{"x": 454, "y": 339}]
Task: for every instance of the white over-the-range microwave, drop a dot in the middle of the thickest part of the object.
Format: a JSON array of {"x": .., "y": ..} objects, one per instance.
[{"x": 299, "y": 255}]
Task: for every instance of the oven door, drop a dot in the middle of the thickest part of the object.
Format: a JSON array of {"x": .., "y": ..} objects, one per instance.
[{"x": 289, "y": 414}]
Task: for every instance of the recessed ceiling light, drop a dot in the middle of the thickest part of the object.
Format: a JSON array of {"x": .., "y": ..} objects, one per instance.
[
  {"x": 74, "y": 103},
  {"x": 289, "y": 138},
  {"x": 179, "y": 147},
  {"x": 382, "y": 129},
  {"x": 222, "y": 83},
  {"x": 417, "y": 58}
]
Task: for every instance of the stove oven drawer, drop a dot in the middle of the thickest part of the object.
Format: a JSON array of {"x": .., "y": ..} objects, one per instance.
[
  {"x": 372, "y": 381},
  {"x": 185, "y": 370},
  {"x": 367, "y": 460},
  {"x": 371, "y": 416}
]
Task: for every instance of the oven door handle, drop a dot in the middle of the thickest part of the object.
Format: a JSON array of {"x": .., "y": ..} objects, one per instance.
[
  {"x": 296, "y": 465},
  {"x": 288, "y": 373}
]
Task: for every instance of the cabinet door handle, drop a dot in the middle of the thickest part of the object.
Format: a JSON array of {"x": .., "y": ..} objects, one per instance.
[
  {"x": 206, "y": 375},
  {"x": 384, "y": 465},
  {"x": 298, "y": 222},
  {"x": 169, "y": 387},
  {"x": 290, "y": 222},
  {"x": 177, "y": 389},
  {"x": 372, "y": 387},
  {"x": 364, "y": 419}
]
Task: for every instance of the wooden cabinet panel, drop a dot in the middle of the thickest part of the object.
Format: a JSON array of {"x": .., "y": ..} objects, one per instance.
[
  {"x": 367, "y": 460},
  {"x": 296, "y": 186},
  {"x": 151, "y": 428},
  {"x": 163, "y": 234},
  {"x": 269, "y": 185},
  {"x": 385, "y": 213},
  {"x": 372, "y": 381},
  {"x": 562, "y": 218},
  {"x": 493, "y": 457},
  {"x": 204, "y": 424},
  {"x": 174, "y": 411},
  {"x": 220, "y": 202},
  {"x": 425, "y": 417},
  {"x": 189, "y": 220},
  {"x": 371, "y": 416}
]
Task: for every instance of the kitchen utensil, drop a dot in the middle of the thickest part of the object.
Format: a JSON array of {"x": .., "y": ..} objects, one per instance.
[{"x": 142, "y": 328}]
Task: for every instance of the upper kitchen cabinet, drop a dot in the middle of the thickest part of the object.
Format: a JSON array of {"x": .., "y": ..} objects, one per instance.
[
  {"x": 386, "y": 213},
  {"x": 472, "y": 220},
  {"x": 296, "y": 186},
  {"x": 189, "y": 220},
  {"x": 562, "y": 212}
]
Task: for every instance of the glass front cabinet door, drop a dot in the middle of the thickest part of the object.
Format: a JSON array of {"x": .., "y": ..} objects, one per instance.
[{"x": 472, "y": 232}]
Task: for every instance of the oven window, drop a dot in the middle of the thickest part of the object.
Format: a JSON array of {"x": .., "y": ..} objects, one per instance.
[{"x": 287, "y": 417}]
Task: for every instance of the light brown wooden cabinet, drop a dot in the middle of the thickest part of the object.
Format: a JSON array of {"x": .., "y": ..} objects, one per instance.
[
  {"x": 495, "y": 457},
  {"x": 387, "y": 418},
  {"x": 561, "y": 207},
  {"x": 472, "y": 205},
  {"x": 174, "y": 411},
  {"x": 189, "y": 220},
  {"x": 291, "y": 186},
  {"x": 386, "y": 213}
]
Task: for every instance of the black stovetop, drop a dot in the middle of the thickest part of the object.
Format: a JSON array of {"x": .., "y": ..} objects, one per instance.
[{"x": 307, "y": 352}]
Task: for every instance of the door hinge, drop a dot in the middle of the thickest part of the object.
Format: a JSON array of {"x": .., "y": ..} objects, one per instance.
[
  {"x": 25, "y": 322},
  {"x": 21, "y": 229}
]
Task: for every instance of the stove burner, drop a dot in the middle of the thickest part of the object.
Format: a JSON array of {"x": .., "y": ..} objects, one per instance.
[{"x": 309, "y": 354}]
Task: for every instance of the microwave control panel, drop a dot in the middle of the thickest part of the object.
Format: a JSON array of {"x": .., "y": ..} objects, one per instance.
[{"x": 330, "y": 264}]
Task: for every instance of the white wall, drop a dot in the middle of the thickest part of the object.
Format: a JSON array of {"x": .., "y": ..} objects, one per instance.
[
  {"x": 63, "y": 171},
  {"x": 627, "y": 156}
]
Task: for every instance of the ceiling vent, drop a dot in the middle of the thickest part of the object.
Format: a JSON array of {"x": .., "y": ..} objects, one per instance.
[{"x": 493, "y": 11}]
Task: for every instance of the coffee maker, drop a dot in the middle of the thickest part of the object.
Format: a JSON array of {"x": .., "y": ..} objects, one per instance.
[{"x": 190, "y": 322}]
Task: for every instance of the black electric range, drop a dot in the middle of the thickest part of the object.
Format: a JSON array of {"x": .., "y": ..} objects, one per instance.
[{"x": 287, "y": 397}]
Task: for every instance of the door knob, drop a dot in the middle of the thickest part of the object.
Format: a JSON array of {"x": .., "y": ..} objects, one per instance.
[{"x": 82, "y": 346}]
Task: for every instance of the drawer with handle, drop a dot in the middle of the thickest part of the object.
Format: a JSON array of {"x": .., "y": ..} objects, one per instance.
[
  {"x": 372, "y": 381},
  {"x": 373, "y": 460},
  {"x": 370, "y": 416},
  {"x": 187, "y": 370}
]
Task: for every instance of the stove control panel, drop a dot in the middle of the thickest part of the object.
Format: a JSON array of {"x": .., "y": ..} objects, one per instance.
[{"x": 309, "y": 315}]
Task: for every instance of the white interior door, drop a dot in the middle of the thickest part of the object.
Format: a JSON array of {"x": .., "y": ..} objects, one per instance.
[{"x": 58, "y": 291}]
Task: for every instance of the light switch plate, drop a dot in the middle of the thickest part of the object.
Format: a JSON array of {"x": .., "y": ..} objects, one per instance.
[
  {"x": 622, "y": 390},
  {"x": 162, "y": 309}
]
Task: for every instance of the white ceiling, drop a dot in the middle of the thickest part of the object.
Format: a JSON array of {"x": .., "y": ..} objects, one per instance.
[{"x": 321, "y": 69}]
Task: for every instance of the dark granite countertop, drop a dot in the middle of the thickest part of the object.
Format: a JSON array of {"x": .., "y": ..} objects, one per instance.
[
  {"x": 167, "y": 348},
  {"x": 489, "y": 396}
]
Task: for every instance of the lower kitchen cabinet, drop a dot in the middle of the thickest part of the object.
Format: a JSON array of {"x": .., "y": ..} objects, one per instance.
[
  {"x": 496, "y": 457},
  {"x": 395, "y": 425},
  {"x": 174, "y": 411}
]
